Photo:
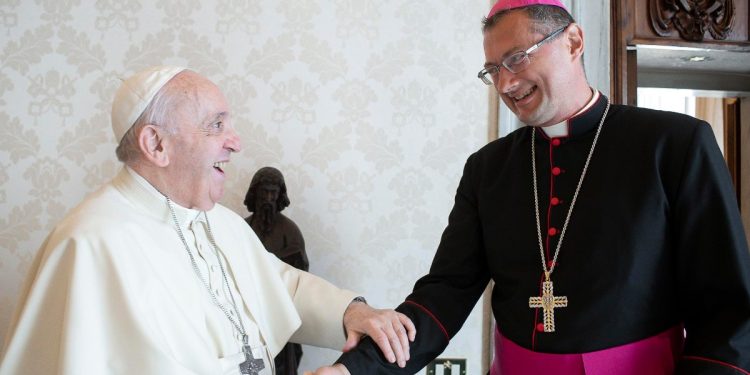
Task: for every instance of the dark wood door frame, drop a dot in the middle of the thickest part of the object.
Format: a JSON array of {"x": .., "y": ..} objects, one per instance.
[
  {"x": 641, "y": 22},
  {"x": 732, "y": 144},
  {"x": 655, "y": 23}
]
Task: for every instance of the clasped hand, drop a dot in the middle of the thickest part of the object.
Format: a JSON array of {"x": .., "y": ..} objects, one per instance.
[{"x": 390, "y": 330}]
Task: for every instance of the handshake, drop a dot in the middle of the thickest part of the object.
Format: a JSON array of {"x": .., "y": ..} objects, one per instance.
[{"x": 392, "y": 331}]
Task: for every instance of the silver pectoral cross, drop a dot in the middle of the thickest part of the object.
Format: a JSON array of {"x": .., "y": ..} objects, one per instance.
[
  {"x": 548, "y": 302},
  {"x": 252, "y": 365}
]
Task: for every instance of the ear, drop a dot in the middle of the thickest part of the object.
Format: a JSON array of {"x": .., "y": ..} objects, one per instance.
[
  {"x": 574, "y": 33},
  {"x": 153, "y": 145}
]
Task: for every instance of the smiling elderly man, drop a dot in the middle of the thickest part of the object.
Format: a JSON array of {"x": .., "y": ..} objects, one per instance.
[{"x": 149, "y": 275}]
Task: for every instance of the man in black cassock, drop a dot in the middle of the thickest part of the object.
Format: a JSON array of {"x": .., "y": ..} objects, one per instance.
[{"x": 612, "y": 233}]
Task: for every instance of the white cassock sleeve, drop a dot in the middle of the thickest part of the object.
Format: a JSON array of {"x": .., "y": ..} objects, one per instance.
[{"x": 314, "y": 307}]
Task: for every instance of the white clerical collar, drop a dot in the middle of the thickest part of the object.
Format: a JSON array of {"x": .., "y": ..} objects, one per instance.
[
  {"x": 557, "y": 130},
  {"x": 148, "y": 195},
  {"x": 561, "y": 129}
]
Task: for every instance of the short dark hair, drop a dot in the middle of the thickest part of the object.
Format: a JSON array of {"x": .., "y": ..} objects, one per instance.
[
  {"x": 267, "y": 175},
  {"x": 546, "y": 18}
]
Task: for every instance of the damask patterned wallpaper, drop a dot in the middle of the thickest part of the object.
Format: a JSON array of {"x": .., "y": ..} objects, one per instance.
[{"x": 369, "y": 107}]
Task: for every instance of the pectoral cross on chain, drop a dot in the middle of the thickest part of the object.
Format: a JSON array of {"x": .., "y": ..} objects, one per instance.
[
  {"x": 548, "y": 302},
  {"x": 251, "y": 366}
]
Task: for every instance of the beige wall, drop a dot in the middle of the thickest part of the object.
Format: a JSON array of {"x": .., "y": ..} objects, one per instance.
[{"x": 369, "y": 107}]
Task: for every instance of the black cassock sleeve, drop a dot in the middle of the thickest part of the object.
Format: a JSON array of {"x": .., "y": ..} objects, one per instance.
[
  {"x": 712, "y": 260},
  {"x": 441, "y": 300},
  {"x": 713, "y": 264}
]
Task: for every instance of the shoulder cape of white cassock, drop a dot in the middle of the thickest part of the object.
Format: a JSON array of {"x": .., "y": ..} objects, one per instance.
[{"x": 113, "y": 291}]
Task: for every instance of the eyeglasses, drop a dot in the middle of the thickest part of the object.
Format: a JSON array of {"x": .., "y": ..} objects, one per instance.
[{"x": 516, "y": 62}]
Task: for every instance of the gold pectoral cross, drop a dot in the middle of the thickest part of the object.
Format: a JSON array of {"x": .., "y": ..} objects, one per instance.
[{"x": 548, "y": 302}]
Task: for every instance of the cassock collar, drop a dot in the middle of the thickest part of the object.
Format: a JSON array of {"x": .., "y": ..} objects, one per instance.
[
  {"x": 147, "y": 199},
  {"x": 583, "y": 122}
]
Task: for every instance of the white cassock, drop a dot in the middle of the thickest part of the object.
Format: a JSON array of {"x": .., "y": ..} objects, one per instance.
[{"x": 112, "y": 291}]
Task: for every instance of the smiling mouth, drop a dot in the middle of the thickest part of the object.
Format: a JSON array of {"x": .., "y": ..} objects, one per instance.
[
  {"x": 219, "y": 165},
  {"x": 523, "y": 95}
]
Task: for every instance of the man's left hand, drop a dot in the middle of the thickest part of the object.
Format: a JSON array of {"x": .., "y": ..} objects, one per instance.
[{"x": 391, "y": 330}]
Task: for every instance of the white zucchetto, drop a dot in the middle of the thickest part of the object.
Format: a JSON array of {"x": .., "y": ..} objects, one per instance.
[{"x": 134, "y": 95}]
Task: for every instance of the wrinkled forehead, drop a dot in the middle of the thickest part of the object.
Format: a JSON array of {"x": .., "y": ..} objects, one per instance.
[{"x": 198, "y": 98}]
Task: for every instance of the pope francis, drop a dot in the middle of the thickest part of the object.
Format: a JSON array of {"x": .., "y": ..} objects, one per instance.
[{"x": 149, "y": 275}]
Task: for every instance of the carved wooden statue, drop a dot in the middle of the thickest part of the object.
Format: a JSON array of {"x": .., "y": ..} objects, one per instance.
[
  {"x": 265, "y": 199},
  {"x": 692, "y": 18}
]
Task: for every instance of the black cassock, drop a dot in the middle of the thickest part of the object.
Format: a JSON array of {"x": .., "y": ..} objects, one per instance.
[{"x": 655, "y": 241}]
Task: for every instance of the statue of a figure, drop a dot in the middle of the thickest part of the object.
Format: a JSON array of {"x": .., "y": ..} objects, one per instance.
[{"x": 265, "y": 199}]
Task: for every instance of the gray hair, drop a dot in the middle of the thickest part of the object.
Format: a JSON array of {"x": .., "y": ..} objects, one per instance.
[
  {"x": 545, "y": 19},
  {"x": 158, "y": 112}
]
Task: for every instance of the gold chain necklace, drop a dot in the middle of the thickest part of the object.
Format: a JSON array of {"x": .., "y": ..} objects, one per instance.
[{"x": 548, "y": 301}]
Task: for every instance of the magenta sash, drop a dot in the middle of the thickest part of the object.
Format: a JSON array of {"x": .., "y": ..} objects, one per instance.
[{"x": 655, "y": 355}]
